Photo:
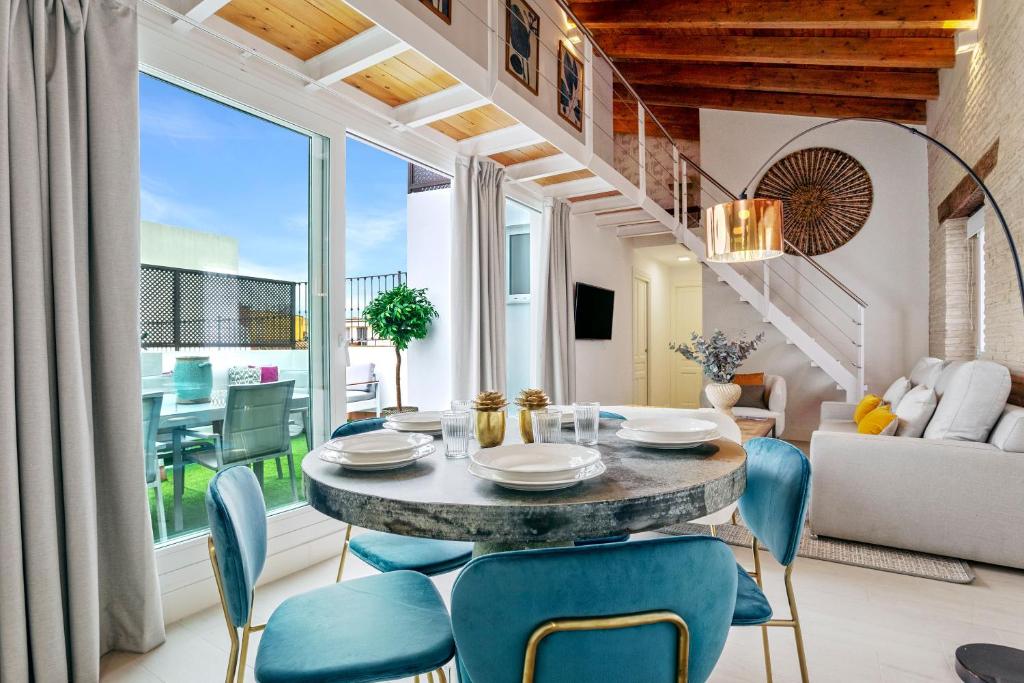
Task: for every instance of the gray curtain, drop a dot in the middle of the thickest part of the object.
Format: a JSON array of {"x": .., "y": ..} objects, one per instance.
[
  {"x": 553, "y": 311},
  {"x": 478, "y": 278},
  {"x": 78, "y": 573}
]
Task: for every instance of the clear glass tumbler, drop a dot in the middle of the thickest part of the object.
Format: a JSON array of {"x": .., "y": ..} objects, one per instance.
[
  {"x": 585, "y": 418},
  {"x": 456, "y": 426},
  {"x": 547, "y": 425},
  {"x": 462, "y": 406}
]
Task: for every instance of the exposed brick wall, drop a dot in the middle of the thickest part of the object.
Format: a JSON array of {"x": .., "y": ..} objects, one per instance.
[
  {"x": 951, "y": 333},
  {"x": 981, "y": 101}
]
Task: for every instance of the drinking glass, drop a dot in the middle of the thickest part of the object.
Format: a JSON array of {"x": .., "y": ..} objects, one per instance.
[
  {"x": 547, "y": 425},
  {"x": 462, "y": 406},
  {"x": 585, "y": 417},
  {"x": 455, "y": 429}
]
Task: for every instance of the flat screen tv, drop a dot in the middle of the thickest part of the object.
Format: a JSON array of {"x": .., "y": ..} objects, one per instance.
[{"x": 594, "y": 307}]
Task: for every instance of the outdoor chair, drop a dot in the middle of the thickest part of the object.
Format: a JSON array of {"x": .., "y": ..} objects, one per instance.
[{"x": 151, "y": 404}]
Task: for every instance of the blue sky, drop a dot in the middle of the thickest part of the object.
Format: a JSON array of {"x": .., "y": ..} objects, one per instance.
[{"x": 210, "y": 167}]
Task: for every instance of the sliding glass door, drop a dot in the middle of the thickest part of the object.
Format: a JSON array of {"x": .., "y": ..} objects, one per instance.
[{"x": 232, "y": 310}]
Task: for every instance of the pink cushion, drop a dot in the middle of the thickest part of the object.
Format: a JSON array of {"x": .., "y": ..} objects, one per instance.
[{"x": 268, "y": 373}]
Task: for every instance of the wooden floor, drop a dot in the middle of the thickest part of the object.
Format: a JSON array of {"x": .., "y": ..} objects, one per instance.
[{"x": 860, "y": 626}]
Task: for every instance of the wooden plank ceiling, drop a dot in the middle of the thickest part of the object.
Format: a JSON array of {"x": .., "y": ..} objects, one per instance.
[
  {"x": 307, "y": 28},
  {"x": 828, "y": 58}
]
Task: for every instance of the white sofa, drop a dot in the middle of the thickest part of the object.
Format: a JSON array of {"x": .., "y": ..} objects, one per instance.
[
  {"x": 775, "y": 393},
  {"x": 947, "y": 496}
]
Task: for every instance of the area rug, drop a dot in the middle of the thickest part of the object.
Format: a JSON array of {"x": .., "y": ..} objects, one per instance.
[{"x": 852, "y": 553}]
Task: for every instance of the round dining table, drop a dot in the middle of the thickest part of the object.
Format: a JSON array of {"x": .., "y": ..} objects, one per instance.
[{"x": 437, "y": 497}]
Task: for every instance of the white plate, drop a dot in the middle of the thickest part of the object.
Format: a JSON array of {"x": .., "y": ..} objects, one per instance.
[
  {"x": 419, "y": 418},
  {"x": 566, "y": 414},
  {"x": 581, "y": 475},
  {"x": 536, "y": 462},
  {"x": 670, "y": 445},
  {"x": 363, "y": 466},
  {"x": 427, "y": 428},
  {"x": 688, "y": 428},
  {"x": 378, "y": 443}
]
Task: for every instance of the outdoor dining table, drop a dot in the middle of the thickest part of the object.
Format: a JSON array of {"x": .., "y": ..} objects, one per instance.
[
  {"x": 436, "y": 497},
  {"x": 176, "y": 418}
]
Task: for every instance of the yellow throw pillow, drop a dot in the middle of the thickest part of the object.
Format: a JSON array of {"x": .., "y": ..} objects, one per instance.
[
  {"x": 877, "y": 420},
  {"x": 866, "y": 405}
]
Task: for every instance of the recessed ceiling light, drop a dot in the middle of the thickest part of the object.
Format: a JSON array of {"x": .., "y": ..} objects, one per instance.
[{"x": 683, "y": 258}]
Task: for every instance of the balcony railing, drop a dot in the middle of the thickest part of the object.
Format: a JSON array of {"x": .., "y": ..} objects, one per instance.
[{"x": 359, "y": 292}]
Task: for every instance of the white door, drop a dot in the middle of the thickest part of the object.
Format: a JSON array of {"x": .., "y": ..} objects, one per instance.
[
  {"x": 641, "y": 338},
  {"x": 687, "y": 315}
]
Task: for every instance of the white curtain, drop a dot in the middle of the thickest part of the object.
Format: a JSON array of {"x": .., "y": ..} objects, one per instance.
[
  {"x": 478, "y": 278},
  {"x": 78, "y": 573},
  {"x": 553, "y": 310}
]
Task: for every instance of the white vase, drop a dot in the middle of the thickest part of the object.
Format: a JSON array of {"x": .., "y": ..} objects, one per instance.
[{"x": 723, "y": 396}]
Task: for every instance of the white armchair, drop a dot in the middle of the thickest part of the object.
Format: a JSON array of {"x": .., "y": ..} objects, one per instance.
[{"x": 775, "y": 396}]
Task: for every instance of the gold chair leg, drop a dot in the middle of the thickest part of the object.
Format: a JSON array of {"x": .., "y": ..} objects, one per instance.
[
  {"x": 430, "y": 677},
  {"x": 246, "y": 630},
  {"x": 232, "y": 659},
  {"x": 441, "y": 677},
  {"x": 714, "y": 531},
  {"x": 344, "y": 553},
  {"x": 767, "y": 654},
  {"x": 232, "y": 631},
  {"x": 797, "y": 630},
  {"x": 416, "y": 678}
]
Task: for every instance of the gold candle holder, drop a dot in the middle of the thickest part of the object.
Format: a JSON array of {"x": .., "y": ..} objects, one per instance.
[
  {"x": 528, "y": 401},
  {"x": 490, "y": 418}
]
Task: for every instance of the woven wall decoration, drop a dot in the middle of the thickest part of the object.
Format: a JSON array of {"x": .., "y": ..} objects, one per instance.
[{"x": 826, "y": 197}]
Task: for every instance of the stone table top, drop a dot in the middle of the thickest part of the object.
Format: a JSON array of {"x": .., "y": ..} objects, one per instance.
[{"x": 437, "y": 497}]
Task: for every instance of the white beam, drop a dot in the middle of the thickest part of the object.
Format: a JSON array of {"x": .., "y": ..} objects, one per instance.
[
  {"x": 200, "y": 11},
  {"x": 541, "y": 168},
  {"x": 612, "y": 220},
  {"x": 643, "y": 230},
  {"x": 360, "y": 52},
  {"x": 573, "y": 188},
  {"x": 439, "y": 105},
  {"x": 501, "y": 140},
  {"x": 601, "y": 204}
]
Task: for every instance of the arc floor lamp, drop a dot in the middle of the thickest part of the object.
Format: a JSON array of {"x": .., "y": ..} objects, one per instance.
[{"x": 747, "y": 229}]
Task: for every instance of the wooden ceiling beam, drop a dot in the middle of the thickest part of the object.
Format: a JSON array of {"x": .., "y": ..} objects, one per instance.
[
  {"x": 911, "y": 85},
  {"x": 829, "y": 106},
  {"x": 682, "y": 123},
  {"x": 907, "y": 53},
  {"x": 792, "y": 14}
]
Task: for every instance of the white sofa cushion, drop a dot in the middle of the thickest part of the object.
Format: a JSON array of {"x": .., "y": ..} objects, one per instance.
[
  {"x": 942, "y": 383},
  {"x": 841, "y": 426},
  {"x": 974, "y": 400},
  {"x": 896, "y": 391},
  {"x": 926, "y": 371},
  {"x": 915, "y": 410},
  {"x": 1009, "y": 432}
]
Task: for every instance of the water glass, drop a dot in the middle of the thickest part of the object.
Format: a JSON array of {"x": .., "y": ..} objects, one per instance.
[
  {"x": 585, "y": 418},
  {"x": 462, "y": 406},
  {"x": 455, "y": 429},
  {"x": 547, "y": 425}
]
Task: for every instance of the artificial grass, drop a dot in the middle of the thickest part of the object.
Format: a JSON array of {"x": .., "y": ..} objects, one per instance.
[{"x": 276, "y": 492}]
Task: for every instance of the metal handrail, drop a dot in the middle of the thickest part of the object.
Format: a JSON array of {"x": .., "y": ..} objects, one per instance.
[{"x": 690, "y": 163}]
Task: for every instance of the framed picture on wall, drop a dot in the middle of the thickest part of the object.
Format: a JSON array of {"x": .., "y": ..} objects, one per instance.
[
  {"x": 570, "y": 87},
  {"x": 442, "y": 8},
  {"x": 522, "y": 43}
]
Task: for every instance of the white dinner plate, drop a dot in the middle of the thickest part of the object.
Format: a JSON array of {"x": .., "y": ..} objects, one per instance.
[
  {"x": 427, "y": 428},
  {"x": 424, "y": 417},
  {"x": 338, "y": 458},
  {"x": 580, "y": 475},
  {"x": 378, "y": 444},
  {"x": 688, "y": 428},
  {"x": 676, "y": 444},
  {"x": 536, "y": 462}
]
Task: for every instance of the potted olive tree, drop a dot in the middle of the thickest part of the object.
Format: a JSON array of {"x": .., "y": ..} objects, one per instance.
[{"x": 400, "y": 315}]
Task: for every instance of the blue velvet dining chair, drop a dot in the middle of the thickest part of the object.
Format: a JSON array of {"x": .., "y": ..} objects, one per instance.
[
  {"x": 650, "y": 611},
  {"x": 773, "y": 507},
  {"x": 378, "y": 628},
  {"x": 392, "y": 552}
]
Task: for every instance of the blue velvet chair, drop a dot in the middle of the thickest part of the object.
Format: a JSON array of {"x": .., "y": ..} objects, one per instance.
[
  {"x": 653, "y": 611},
  {"x": 377, "y": 628},
  {"x": 773, "y": 507},
  {"x": 391, "y": 552}
]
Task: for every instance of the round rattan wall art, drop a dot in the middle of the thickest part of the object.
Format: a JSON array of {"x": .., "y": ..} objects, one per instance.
[{"x": 826, "y": 198}]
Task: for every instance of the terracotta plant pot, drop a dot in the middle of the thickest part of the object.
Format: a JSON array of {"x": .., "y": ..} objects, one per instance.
[{"x": 723, "y": 396}]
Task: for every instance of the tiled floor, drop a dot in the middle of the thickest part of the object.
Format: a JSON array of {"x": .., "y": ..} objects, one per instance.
[{"x": 860, "y": 626}]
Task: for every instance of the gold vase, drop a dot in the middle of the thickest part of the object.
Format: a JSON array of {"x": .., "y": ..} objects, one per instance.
[
  {"x": 490, "y": 428},
  {"x": 526, "y": 424}
]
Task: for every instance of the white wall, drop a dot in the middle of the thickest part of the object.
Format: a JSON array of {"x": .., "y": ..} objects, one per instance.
[
  {"x": 428, "y": 240},
  {"x": 886, "y": 264},
  {"x": 603, "y": 368}
]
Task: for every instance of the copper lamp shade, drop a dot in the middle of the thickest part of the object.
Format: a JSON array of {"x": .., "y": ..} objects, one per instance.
[{"x": 744, "y": 230}]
